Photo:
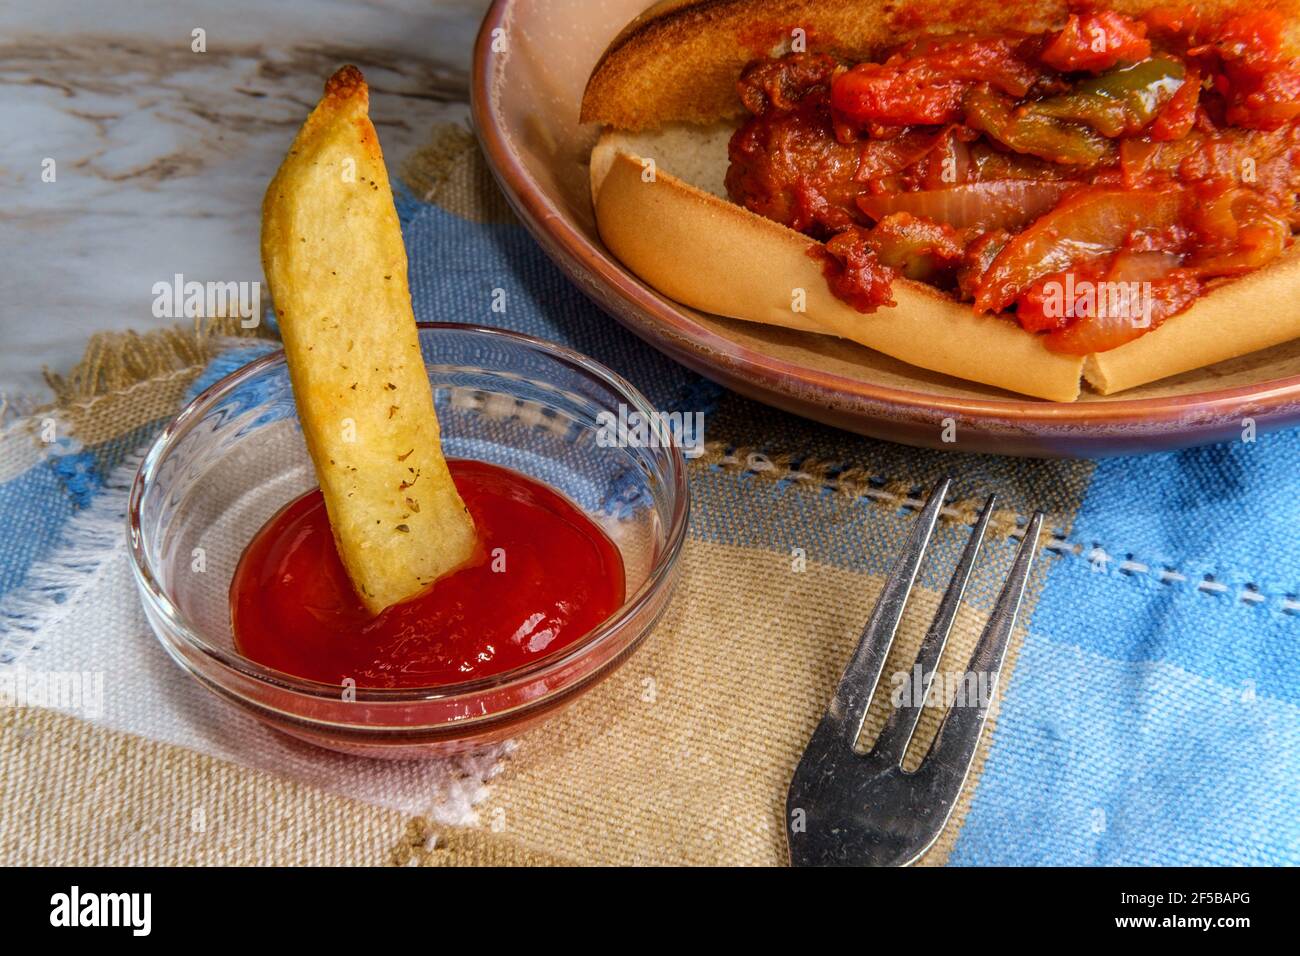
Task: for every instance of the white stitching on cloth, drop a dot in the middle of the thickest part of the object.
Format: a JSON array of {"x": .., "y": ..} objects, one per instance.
[
  {"x": 1247, "y": 595},
  {"x": 759, "y": 463}
]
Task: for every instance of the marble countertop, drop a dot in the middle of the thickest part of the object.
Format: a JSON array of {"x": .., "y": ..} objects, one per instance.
[{"x": 161, "y": 153}]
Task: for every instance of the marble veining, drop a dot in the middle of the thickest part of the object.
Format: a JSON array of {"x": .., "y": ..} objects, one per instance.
[{"x": 161, "y": 154}]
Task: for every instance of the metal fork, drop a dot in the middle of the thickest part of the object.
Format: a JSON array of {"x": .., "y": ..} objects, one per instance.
[{"x": 846, "y": 807}]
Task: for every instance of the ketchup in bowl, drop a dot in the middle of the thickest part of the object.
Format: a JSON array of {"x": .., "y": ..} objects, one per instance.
[{"x": 544, "y": 577}]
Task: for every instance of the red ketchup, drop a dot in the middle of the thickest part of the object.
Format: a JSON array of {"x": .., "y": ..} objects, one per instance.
[{"x": 545, "y": 576}]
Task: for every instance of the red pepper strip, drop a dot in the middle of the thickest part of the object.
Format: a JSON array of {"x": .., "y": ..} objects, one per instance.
[
  {"x": 1178, "y": 116},
  {"x": 1142, "y": 307},
  {"x": 1096, "y": 42},
  {"x": 1087, "y": 224},
  {"x": 924, "y": 85}
]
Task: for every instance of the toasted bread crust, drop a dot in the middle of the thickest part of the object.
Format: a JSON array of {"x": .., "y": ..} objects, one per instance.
[{"x": 679, "y": 61}]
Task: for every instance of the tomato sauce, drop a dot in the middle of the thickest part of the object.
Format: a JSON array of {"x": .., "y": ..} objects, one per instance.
[{"x": 545, "y": 576}]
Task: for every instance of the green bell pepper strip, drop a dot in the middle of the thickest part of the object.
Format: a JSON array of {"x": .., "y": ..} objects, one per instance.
[
  {"x": 1034, "y": 134},
  {"x": 1120, "y": 102}
]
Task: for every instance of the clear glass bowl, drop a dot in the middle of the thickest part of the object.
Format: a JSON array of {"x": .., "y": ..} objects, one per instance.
[{"x": 235, "y": 456}]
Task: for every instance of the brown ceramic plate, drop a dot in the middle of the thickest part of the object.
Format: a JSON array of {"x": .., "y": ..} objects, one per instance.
[{"x": 531, "y": 62}]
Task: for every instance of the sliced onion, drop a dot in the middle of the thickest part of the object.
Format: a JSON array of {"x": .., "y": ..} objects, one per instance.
[
  {"x": 1258, "y": 244},
  {"x": 997, "y": 204},
  {"x": 1089, "y": 223},
  {"x": 1142, "y": 266}
]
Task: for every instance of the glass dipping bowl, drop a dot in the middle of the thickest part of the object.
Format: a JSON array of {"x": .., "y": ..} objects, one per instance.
[{"x": 236, "y": 455}]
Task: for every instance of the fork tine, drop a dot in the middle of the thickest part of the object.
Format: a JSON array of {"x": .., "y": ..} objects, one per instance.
[
  {"x": 892, "y": 743},
  {"x": 858, "y": 683},
  {"x": 954, "y": 747}
]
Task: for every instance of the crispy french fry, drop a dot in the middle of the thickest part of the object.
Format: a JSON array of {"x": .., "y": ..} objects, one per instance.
[{"x": 333, "y": 255}]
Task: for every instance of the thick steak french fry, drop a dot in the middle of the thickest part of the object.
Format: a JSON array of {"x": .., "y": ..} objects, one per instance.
[{"x": 333, "y": 255}]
